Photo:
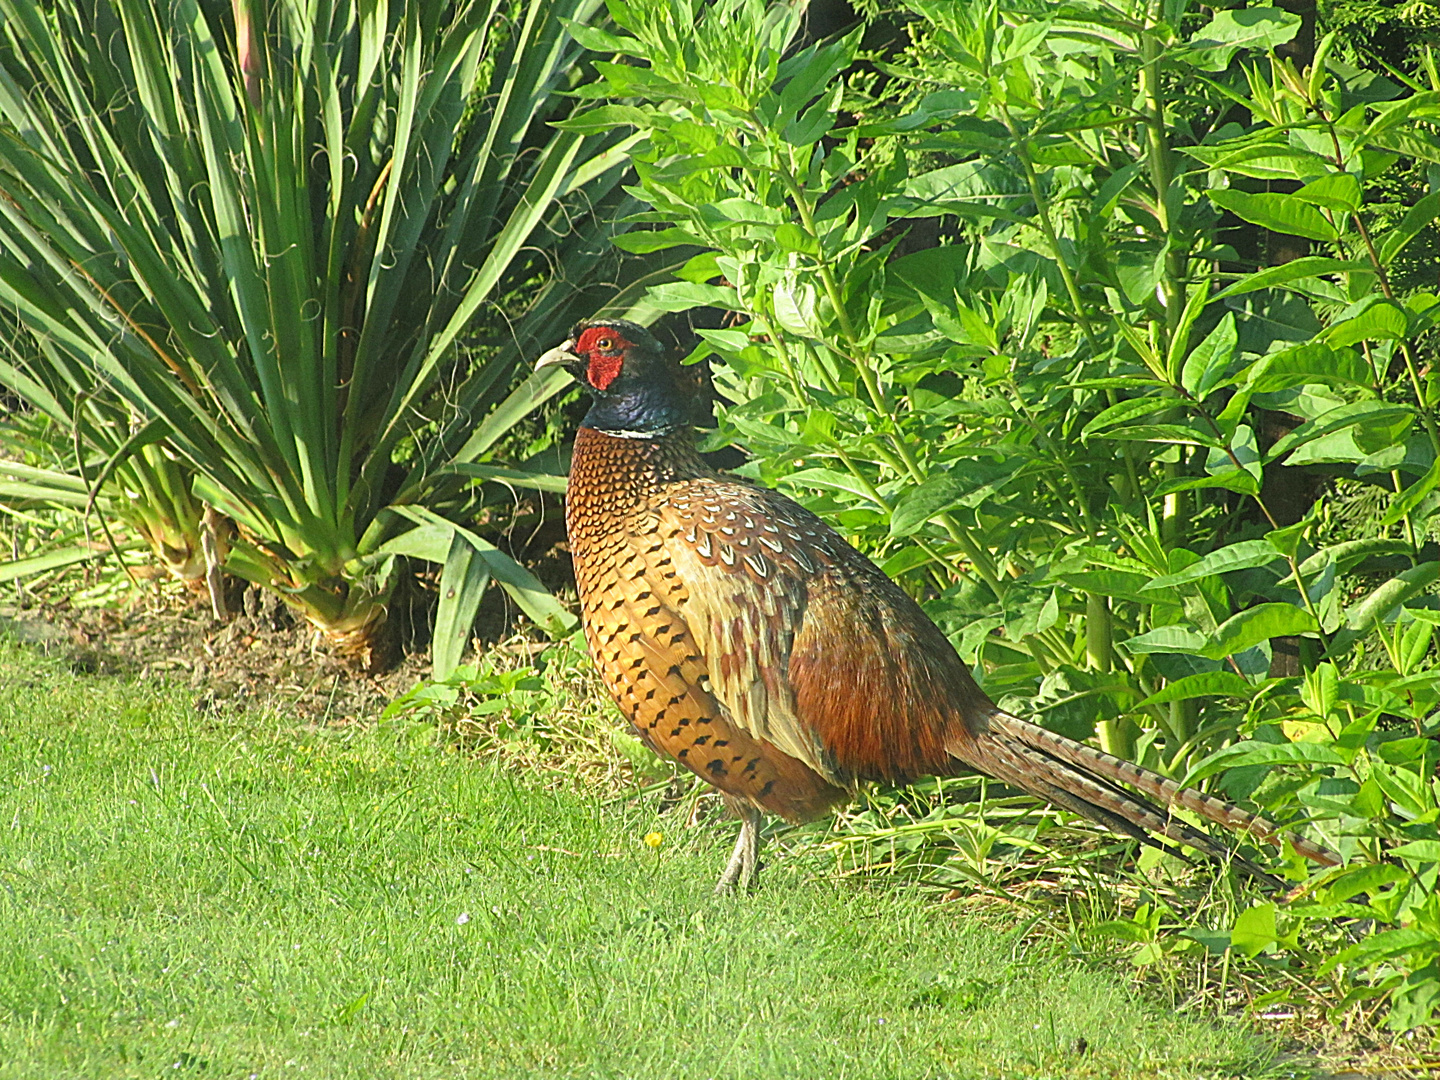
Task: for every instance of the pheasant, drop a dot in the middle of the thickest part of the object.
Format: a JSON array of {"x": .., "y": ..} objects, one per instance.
[{"x": 745, "y": 639}]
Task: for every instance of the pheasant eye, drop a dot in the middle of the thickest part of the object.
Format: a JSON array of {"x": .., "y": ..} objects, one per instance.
[{"x": 604, "y": 344}]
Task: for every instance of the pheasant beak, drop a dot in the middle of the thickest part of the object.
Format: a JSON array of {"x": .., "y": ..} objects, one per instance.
[{"x": 561, "y": 356}]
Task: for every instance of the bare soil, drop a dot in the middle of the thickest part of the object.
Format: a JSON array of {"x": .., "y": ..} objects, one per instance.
[{"x": 263, "y": 656}]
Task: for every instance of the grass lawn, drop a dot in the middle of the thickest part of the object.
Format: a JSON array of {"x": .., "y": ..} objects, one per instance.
[{"x": 189, "y": 895}]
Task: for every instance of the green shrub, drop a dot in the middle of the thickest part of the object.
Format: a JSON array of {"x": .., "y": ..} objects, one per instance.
[{"x": 1068, "y": 426}]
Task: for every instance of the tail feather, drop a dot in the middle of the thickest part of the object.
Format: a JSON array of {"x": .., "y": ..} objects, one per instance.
[{"x": 1088, "y": 781}]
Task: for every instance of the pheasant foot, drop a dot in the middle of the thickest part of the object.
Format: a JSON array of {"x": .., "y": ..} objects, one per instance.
[{"x": 744, "y": 861}]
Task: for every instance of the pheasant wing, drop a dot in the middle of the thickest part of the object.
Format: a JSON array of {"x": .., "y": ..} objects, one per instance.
[{"x": 809, "y": 645}]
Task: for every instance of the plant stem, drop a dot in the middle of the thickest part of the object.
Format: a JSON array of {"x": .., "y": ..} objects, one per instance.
[
  {"x": 1157, "y": 161},
  {"x": 1047, "y": 229}
]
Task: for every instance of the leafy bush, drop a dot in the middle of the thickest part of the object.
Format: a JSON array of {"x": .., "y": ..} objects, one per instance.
[{"x": 1084, "y": 421}]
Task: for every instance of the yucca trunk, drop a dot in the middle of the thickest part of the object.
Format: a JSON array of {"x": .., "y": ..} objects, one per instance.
[{"x": 153, "y": 497}]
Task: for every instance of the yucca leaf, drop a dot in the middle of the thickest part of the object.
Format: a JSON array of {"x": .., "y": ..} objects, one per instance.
[
  {"x": 522, "y": 585},
  {"x": 276, "y": 265},
  {"x": 462, "y": 584},
  {"x": 17, "y": 569}
]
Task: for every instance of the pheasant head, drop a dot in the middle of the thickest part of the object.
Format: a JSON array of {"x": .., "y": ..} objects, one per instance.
[{"x": 626, "y": 371}]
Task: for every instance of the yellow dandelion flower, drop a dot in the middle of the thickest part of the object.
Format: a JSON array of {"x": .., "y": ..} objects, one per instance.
[{"x": 654, "y": 839}]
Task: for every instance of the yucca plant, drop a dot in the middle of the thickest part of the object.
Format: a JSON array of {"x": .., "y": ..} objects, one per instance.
[
  {"x": 82, "y": 451},
  {"x": 46, "y": 522},
  {"x": 263, "y": 229}
]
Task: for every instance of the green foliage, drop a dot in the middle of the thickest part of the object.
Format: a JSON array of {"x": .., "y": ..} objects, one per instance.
[
  {"x": 75, "y": 448},
  {"x": 473, "y": 690},
  {"x": 1068, "y": 427}
]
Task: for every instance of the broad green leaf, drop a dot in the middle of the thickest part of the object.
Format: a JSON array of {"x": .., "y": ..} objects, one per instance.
[
  {"x": 1383, "y": 945},
  {"x": 796, "y": 307},
  {"x": 1164, "y": 433},
  {"x": 1418, "y": 851},
  {"x": 944, "y": 491},
  {"x": 598, "y": 40},
  {"x": 1386, "y": 598},
  {"x": 1338, "y": 191},
  {"x": 934, "y": 272},
  {"x": 816, "y": 121},
  {"x": 1411, "y": 793},
  {"x": 1166, "y": 639},
  {"x": 1242, "y": 556},
  {"x": 1203, "y": 684},
  {"x": 1382, "y": 321},
  {"x": 1207, "y": 362},
  {"x": 606, "y": 118},
  {"x": 792, "y": 237},
  {"x": 1119, "y": 584},
  {"x": 1232, "y": 480},
  {"x": 684, "y": 295},
  {"x": 1313, "y": 362},
  {"x": 1407, "y": 500},
  {"x": 1363, "y": 879},
  {"x": 1139, "y": 272},
  {"x": 1242, "y": 456},
  {"x": 1337, "y": 448},
  {"x": 1295, "y": 270},
  {"x": 641, "y": 242},
  {"x": 1126, "y": 410},
  {"x": 739, "y": 211},
  {"x": 1262, "y": 161},
  {"x": 1257, "y": 624},
  {"x": 1320, "y": 688},
  {"x": 1380, "y": 419},
  {"x": 1268, "y": 316},
  {"x": 1349, "y": 553},
  {"x": 1254, "y": 930},
  {"x": 831, "y": 480},
  {"x": 1212, "y": 46},
  {"x": 1195, "y": 304},
  {"x": 1416, "y": 219},
  {"x": 1263, "y": 753},
  {"x": 1279, "y": 213},
  {"x": 1392, "y": 115}
]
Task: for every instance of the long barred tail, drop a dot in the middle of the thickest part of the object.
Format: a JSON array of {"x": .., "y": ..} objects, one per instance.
[{"x": 1088, "y": 781}]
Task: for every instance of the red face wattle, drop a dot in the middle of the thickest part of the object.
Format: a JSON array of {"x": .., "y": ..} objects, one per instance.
[{"x": 604, "y": 347}]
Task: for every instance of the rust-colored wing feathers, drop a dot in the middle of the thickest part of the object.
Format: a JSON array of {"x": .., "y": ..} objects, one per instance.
[{"x": 810, "y": 646}]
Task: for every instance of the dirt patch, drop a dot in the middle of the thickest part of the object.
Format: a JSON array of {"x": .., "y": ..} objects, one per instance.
[{"x": 263, "y": 656}]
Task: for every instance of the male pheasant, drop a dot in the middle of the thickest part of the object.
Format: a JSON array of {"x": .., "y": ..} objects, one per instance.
[{"x": 745, "y": 639}]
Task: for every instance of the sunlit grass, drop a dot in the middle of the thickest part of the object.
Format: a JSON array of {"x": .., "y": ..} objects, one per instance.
[{"x": 182, "y": 894}]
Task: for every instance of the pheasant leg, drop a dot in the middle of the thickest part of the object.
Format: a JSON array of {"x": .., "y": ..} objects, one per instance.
[{"x": 745, "y": 859}]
